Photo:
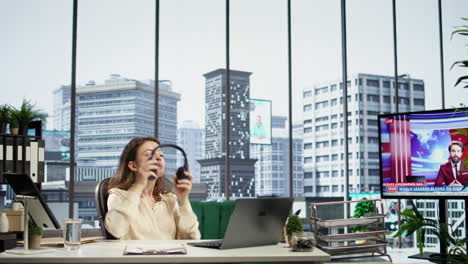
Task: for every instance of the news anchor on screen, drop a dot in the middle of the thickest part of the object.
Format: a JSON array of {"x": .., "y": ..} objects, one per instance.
[{"x": 453, "y": 172}]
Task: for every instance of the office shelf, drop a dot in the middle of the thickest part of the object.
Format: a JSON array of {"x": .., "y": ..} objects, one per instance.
[
  {"x": 350, "y": 221},
  {"x": 374, "y": 235},
  {"x": 334, "y": 236}
]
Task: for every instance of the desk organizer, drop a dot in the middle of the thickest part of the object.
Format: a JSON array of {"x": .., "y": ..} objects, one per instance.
[{"x": 335, "y": 237}]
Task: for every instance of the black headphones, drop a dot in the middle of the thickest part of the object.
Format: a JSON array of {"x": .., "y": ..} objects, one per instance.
[{"x": 181, "y": 170}]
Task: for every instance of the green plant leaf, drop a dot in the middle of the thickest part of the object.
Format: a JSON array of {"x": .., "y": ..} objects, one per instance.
[
  {"x": 461, "y": 79},
  {"x": 33, "y": 229},
  {"x": 463, "y": 63},
  {"x": 416, "y": 212},
  {"x": 420, "y": 238},
  {"x": 460, "y": 32}
]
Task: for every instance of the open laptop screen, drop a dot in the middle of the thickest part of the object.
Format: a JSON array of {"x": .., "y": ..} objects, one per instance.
[{"x": 254, "y": 222}]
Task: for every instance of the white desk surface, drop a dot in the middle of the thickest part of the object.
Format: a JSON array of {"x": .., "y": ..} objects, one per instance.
[{"x": 112, "y": 252}]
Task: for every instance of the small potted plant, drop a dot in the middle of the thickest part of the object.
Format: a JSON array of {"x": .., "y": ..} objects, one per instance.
[
  {"x": 5, "y": 117},
  {"x": 34, "y": 235},
  {"x": 25, "y": 115},
  {"x": 14, "y": 127},
  {"x": 362, "y": 209},
  {"x": 293, "y": 225}
]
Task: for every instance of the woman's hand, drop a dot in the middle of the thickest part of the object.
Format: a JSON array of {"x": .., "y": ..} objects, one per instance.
[
  {"x": 148, "y": 168},
  {"x": 183, "y": 187}
]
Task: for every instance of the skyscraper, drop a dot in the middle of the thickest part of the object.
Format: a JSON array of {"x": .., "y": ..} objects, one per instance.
[
  {"x": 213, "y": 166},
  {"x": 62, "y": 108},
  {"x": 368, "y": 96},
  {"x": 272, "y": 166},
  {"x": 111, "y": 114},
  {"x": 190, "y": 136}
]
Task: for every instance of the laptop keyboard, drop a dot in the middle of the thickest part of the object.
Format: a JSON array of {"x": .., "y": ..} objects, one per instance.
[{"x": 209, "y": 244}]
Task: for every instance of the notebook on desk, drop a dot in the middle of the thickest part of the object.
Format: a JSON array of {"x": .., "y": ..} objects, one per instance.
[{"x": 254, "y": 222}]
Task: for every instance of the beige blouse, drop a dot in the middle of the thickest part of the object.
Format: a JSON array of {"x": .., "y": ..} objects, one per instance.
[{"x": 130, "y": 217}]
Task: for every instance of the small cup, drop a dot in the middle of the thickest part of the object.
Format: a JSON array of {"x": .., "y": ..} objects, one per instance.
[
  {"x": 302, "y": 241},
  {"x": 72, "y": 233}
]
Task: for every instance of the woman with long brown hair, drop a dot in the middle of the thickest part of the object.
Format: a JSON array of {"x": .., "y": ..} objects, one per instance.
[{"x": 139, "y": 207}]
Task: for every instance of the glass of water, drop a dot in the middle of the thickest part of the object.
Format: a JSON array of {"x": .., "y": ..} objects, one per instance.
[{"x": 72, "y": 233}]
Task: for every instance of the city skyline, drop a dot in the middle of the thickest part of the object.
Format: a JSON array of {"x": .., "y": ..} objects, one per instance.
[{"x": 190, "y": 46}]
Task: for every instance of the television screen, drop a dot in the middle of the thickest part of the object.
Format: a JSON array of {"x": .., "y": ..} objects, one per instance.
[{"x": 424, "y": 154}]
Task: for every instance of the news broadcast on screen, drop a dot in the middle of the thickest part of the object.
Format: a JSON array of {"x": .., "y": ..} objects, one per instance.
[{"x": 424, "y": 154}]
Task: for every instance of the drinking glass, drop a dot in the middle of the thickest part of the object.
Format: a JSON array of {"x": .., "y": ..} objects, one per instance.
[{"x": 72, "y": 233}]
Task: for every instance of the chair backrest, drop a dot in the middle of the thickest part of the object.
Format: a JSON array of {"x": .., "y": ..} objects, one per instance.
[{"x": 101, "y": 194}]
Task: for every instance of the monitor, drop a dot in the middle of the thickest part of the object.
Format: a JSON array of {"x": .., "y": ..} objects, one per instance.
[{"x": 424, "y": 154}]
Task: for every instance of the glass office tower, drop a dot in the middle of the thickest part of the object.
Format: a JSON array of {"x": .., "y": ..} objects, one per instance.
[
  {"x": 213, "y": 165},
  {"x": 272, "y": 166},
  {"x": 368, "y": 96},
  {"x": 111, "y": 114},
  {"x": 190, "y": 137}
]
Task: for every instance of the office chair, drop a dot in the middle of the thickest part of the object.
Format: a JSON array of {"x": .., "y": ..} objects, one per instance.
[{"x": 101, "y": 195}]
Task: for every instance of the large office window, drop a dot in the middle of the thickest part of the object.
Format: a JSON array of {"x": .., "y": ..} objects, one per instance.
[
  {"x": 454, "y": 50},
  {"x": 316, "y": 65},
  {"x": 115, "y": 86},
  {"x": 259, "y": 57},
  {"x": 35, "y": 66},
  {"x": 369, "y": 26},
  {"x": 192, "y": 59}
]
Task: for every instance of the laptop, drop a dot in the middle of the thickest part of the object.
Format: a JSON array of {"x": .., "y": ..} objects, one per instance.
[{"x": 254, "y": 222}]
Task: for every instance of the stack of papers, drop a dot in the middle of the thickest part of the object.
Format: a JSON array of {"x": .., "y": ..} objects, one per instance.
[
  {"x": 58, "y": 241},
  {"x": 139, "y": 249}
]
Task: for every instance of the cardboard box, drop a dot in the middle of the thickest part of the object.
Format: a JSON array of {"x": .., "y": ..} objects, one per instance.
[{"x": 15, "y": 220}]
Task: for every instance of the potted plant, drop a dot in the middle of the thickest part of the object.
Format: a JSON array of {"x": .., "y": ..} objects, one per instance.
[
  {"x": 34, "y": 235},
  {"x": 25, "y": 114},
  {"x": 5, "y": 117},
  {"x": 14, "y": 127},
  {"x": 362, "y": 208},
  {"x": 293, "y": 224},
  {"x": 413, "y": 221}
]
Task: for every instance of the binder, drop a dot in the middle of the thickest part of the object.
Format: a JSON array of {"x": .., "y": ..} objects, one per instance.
[
  {"x": 34, "y": 154},
  {"x": 9, "y": 159},
  {"x": 2, "y": 161},
  {"x": 22, "y": 155}
]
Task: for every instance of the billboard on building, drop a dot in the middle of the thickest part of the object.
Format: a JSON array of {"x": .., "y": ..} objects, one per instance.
[
  {"x": 260, "y": 121},
  {"x": 57, "y": 145}
]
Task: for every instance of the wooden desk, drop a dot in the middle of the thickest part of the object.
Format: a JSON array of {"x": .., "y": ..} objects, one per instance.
[{"x": 112, "y": 252}]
